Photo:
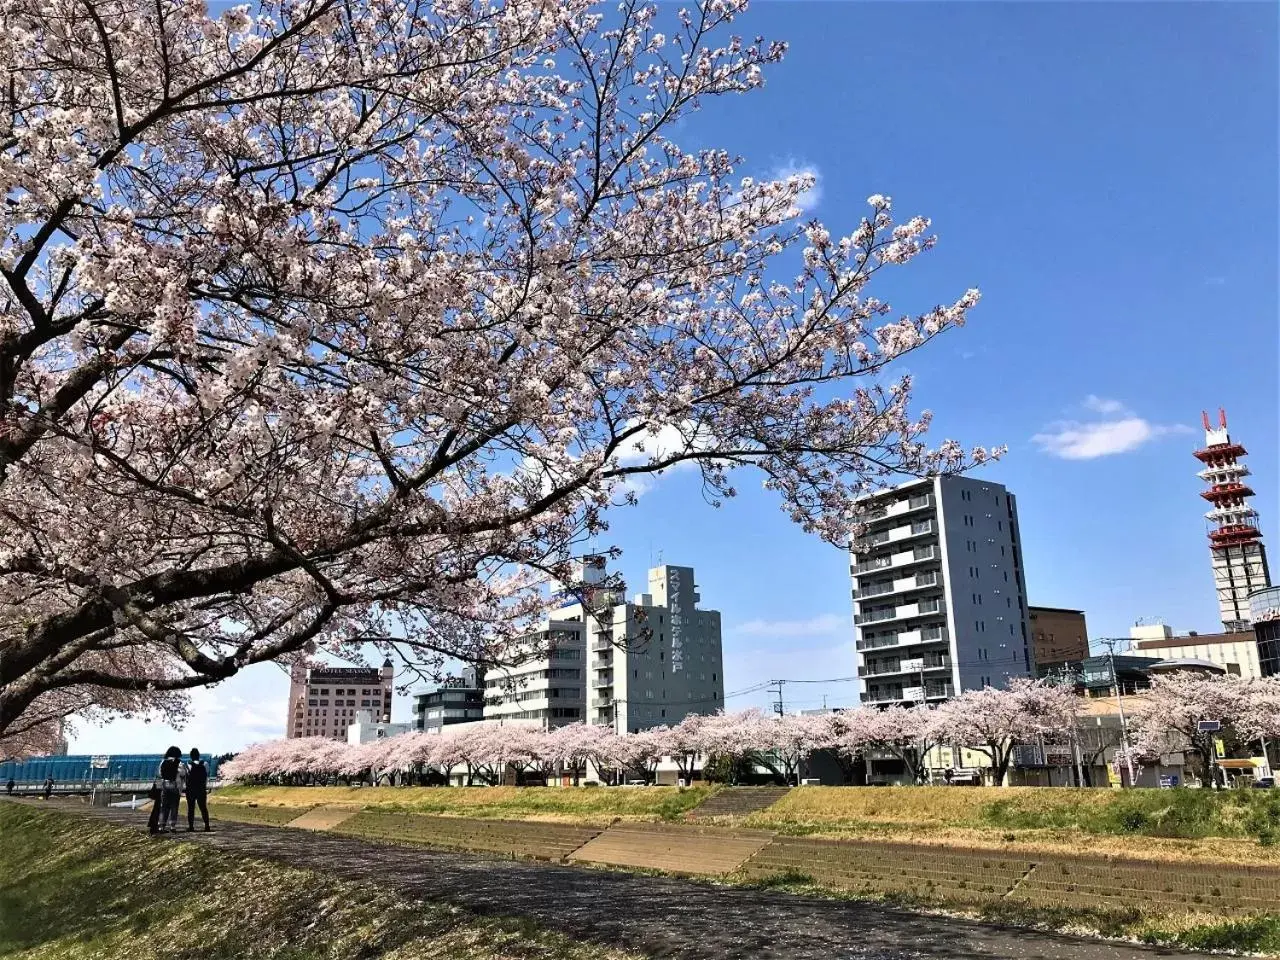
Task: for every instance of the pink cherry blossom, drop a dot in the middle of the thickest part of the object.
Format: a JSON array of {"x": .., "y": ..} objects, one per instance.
[{"x": 336, "y": 323}]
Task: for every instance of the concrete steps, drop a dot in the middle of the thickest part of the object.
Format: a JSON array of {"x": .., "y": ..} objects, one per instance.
[
  {"x": 739, "y": 802},
  {"x": 684, "y": 849}
]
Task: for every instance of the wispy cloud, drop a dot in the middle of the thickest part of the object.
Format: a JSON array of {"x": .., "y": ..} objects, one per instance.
[
  {"x": 824, "y": 625},
  {"x": 809, "y": 200},
  {"x": 1116, "y": 429},
  {"x": 1215, "y": 281}
]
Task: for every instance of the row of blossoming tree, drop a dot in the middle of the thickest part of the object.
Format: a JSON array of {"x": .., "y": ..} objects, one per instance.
[{"x": 990, "y": 722}]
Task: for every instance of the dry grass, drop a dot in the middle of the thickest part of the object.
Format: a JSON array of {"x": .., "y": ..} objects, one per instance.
[
  {"x": 1205, "y": 828},
  {"x": 595, "y": 806}
]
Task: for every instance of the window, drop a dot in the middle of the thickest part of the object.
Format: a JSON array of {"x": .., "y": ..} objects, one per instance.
[
  {"x": 648, "y": 694},
  {"x": 713, "y": 677}
]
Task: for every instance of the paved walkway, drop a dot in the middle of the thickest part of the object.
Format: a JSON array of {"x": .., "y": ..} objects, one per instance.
[{"x": 657, "y": 916}]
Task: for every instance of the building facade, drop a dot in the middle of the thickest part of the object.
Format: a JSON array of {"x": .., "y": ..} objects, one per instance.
[
  {"x": 657, "y": 659},
  {"x": 1058, "y": 637},
  {"x": 460, "y": 700},
  {"x": 628, "y": 666},
  {"x": 366, "y": 728},
  {"x": 940, "y": 598},
  {"x": 1264, "y": 613},
  {"x": 324, "y": 701},
  {"x": 1235, "y": 542},
  {"x": 547, "y": 684},
  {"x": 1236, "y": 653}
]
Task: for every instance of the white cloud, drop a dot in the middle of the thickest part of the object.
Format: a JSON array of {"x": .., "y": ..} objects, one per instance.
[
  {"x": 809, "y": 200},
  {"x": 824, "y": 625},
  {"x": 1118, "y": 430},
  {"x": 248, "y": 708},
  {"x": 1215, "y": 281},
  {"x": 651, "y": 445},
  {"x": 1102, "y": 405}
]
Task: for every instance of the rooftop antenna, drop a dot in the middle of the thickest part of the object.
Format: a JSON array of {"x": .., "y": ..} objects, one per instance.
[
  {"x": 1222, "y": 417},
  {"x": 1204, "y": 417}
]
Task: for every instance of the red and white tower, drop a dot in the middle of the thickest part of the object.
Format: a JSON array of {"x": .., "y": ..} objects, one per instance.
[{"x": 1235, "y": 543}]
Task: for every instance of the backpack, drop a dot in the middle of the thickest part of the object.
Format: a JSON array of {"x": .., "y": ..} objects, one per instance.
[
  {"x": 197, "y": 777},
  {"x": 169, "y": 770}
]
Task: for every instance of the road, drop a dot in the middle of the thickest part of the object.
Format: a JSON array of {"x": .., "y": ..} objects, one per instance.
[{"x": 658, "y": 916}]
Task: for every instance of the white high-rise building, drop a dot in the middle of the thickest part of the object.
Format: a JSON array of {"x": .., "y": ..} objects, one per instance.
[
  {"x": 940, "y": 598},
  {"x": 629, "y": 666}
]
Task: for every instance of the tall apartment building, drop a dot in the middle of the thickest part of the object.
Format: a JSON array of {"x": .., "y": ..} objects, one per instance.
[
  {"x": 940, "y": 598},
  {"x": 629, "y": 666},
  {"x": 657, "y": 659},
  {"x": 324, "y": 701}
]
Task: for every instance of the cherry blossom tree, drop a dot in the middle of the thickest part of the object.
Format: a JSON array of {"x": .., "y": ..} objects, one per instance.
[
  {"x": 576, "y": 746},
  {"x": 345, "y": 321},
  {"x": 993, "y": 721},
  {"x": 1167, "y": 717},
  {"x": 909, "y": 733},
  {"x": 1258, "y": 717}
]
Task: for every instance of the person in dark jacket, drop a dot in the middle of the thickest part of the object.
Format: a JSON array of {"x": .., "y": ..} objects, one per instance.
[
  {"x": 171, "y": 774},
  {"x": 197, "y": 791},
  {"x": 9, "y": 787},
  {"x": 48, "y": 787}
]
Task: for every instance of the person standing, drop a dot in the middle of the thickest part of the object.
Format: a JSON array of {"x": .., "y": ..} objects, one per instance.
[
  {"x": 197, "y": 791},
  {"x": 48, "y": 786},
  {"x": 172, "y": 776},
  {"x": 9, "y": 787}
]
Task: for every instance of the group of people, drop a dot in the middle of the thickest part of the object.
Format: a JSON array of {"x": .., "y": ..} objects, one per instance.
[
  {"x": 46, "y": 791},
  {"x": 174, "y": 778}
]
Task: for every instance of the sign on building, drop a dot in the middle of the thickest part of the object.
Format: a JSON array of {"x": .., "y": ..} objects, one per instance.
[{"x": 676, "y": 603}]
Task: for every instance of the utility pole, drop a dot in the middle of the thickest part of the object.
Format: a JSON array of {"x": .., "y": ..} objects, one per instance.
[
  {"x": 777, "y": 704},
  {"x": 1110, "y": 644}
]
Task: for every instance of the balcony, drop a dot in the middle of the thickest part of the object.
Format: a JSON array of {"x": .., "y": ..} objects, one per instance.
[
  {"x": 602, "y": 646},
  {"x": 899, "y": 507},
  {"x": 602, "y": 684},
  {"x": 881, "y": 668},
  {"x": 908, "y": 695},
  {"x": 906, "y": 638},
  {"x": 902, "y": 585},
  {"x": 906, "y": 611},
  {"x": 603, "y": 664}
]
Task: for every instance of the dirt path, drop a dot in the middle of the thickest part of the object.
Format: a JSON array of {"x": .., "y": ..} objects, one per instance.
[{"x": 658, "y": 916}]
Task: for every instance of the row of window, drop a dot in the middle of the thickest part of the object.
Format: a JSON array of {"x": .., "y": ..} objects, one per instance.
[{"x": 323, "y": 691}]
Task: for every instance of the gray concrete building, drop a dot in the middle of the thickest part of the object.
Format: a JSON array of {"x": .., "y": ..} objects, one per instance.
[
  {"x": 459, "y": 700},
  {"x": 939, "y": 593},
  {"x": 629, "y": 666},
  {"x": 657, "y": 659}
]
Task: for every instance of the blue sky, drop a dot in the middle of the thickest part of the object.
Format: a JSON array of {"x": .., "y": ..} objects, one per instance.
[{"x": 1106, "y": 174}]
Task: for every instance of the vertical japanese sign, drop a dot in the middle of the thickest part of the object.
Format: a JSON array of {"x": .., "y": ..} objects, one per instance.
[{"x": 675, "y": 603}]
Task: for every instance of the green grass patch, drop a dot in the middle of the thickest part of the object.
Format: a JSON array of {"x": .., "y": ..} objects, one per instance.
[
  {"x": 77, "y": 890},
  {"x": 1260, "y": 934},
  {"x": 1188, "y": 814}
]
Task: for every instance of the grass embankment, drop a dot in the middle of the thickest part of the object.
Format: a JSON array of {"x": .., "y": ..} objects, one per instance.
[
  {"x": 1258, "y": 935},
  {"x": 1234, "y": 826},
  {"x": 72, "y": 890},
  {"x": 596, "y": 806}
]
